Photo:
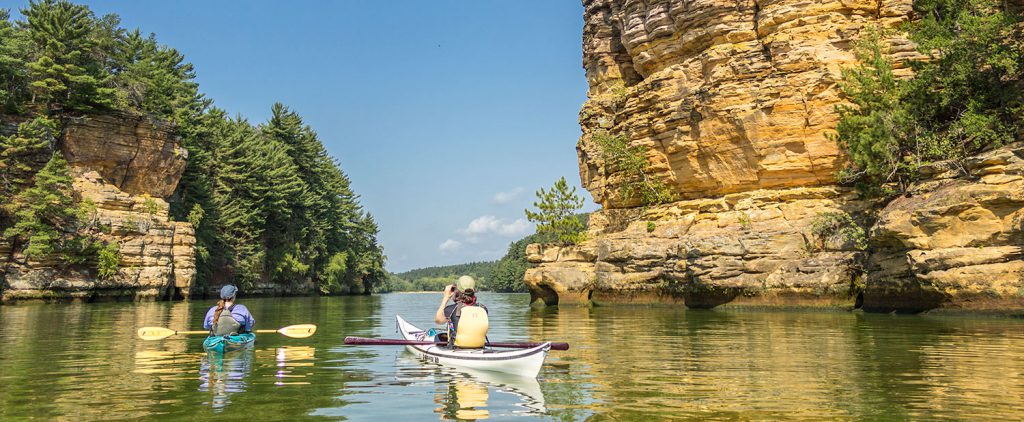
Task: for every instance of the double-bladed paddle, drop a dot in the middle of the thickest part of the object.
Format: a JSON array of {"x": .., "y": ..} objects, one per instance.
[
  {"x": 293, "y": 331},
  {"x": 363, "y": 341}
]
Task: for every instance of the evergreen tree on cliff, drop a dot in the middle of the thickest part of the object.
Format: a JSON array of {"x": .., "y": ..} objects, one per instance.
[
  {"x": 19, "y": 154},
  {"x": 967, "y": 96},
  {"x": 45, "y": 211},
  {"x": 13, "y": 74},
  {"x": 555, "y": 215},
  {"x": 63, "y": 72}
]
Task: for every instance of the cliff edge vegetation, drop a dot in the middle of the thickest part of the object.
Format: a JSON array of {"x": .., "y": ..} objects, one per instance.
[{"x": 119, "y": 178}]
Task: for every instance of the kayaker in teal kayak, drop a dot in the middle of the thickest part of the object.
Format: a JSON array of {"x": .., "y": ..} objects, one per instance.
[
  {"x": 466, "y": 318},
  {"x": 238, "y": 319}
]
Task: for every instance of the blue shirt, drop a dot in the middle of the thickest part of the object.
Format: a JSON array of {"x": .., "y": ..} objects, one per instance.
[{"x": 239, "y": 312}]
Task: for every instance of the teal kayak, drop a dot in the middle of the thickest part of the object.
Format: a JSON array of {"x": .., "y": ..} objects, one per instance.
[{"x": 224, "y": 344}]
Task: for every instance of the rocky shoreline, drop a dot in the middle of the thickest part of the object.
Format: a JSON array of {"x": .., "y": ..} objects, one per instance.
[
  {"x": 733, "y": 103},
  {"x": 126, "y": 165}
]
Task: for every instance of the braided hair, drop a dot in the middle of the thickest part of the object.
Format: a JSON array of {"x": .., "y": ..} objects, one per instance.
[{"x": 216, "y": 314}]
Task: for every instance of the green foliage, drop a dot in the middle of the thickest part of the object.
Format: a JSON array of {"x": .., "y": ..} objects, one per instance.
[
  {"x": 45, "y": 212},
  {"x": 149, "y": 205},
  {"x": 108, "y": 259},
  {"x": 555, "y": 213},
  {"x": 335, "y": 273},
  {"x": 268, "y": 203},
  {"x": 64, "y": 71},
  {"x": 20, "y": 153},
  {"x": 195, "y": 216},
  {"x": 744, "y": 220},
  {"x": 632, "y": 162},
  {"x": 436, "y": 278},
  {"x": 837, "y": 228},
  {"x": 967, "y": 96},
  {"x": 14, "y": 46},
  {"x": 154, "y": 78},
  {"x": 651, "y": 226}
]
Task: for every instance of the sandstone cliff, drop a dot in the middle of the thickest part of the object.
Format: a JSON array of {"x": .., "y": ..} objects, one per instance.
[
  {"x": 727, "y": 96},
  {"x": 126, "y": 165},
  {"x": 955, "y": 242},
  {"x": 732, "y": 101}
]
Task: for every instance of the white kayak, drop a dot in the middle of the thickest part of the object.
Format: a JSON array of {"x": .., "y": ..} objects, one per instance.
[{"x": 522, "y": 362}]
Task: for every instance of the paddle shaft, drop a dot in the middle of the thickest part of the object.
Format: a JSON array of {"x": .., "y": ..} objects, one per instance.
[
  {"x": 207, "y": 332},
  {"x": 400, "y": 342},
  {"x": 293, "y": 331}
]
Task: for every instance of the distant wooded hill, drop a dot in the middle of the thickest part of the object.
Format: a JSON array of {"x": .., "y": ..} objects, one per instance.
[{"x": 503, "y": 275}]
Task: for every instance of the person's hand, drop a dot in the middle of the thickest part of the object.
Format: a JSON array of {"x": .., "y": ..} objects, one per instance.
[{"x": 449, "y": 290}]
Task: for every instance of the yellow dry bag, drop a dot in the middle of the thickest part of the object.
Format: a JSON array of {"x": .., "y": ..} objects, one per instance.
[{"x": 472, "y": 330}]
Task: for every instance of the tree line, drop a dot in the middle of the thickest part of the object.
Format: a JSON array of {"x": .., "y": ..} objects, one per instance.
[{"x": 268, "y": 202}]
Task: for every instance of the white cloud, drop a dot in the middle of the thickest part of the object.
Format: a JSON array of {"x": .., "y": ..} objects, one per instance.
[
  {"x": 449, "y": 245},
  {"x": 489, "y": 224},
  {"x": 502, "y": 198},
  {"x": 515, "y": 228}
]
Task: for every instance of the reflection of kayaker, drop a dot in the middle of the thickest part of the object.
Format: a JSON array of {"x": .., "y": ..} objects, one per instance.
[
  {"x": 231, "y": 330},
  {"x": 224, "y": 376},
  {"x": 466, "y": 399},
  {"x": 466, "y": 318}
]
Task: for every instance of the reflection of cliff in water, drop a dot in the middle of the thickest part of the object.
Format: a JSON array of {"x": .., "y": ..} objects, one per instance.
[{"x": 57, "y": 356}]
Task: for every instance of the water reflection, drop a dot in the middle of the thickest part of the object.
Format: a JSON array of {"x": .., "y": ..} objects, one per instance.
[
  {"x": 626, "y": 363},
  {"x": 224, "y": 374},
  {"x": 294, "y": 363},
  {"x": 465, "y": 399},
  {"x": 464, "y": 394}
]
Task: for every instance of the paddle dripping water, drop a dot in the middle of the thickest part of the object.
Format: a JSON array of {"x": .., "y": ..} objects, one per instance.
[{"x": 625, "y": 363}]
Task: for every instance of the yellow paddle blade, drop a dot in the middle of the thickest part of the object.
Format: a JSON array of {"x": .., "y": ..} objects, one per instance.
[
  {"x": 155, "y": 333},
  {"x": 298, "y": 331}
]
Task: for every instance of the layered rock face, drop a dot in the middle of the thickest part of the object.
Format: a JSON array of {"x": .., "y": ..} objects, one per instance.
[
  {"x": 749, "y": 248},
  {"x": 137, "y": 155},
  {"x": 124, "y": 165},
  {"x": 726, "y": 96},
  {"x": 956, "y": 242},
  {"x": 733, "y": 101}
]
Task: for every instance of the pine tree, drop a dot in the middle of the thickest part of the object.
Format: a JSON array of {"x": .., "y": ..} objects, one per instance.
[
  {"x": 154, "y": 78},
  {"x": 555, "y": 215},
  {"x": 45, "y": 211},
  {"x": 63, "y": 71},
  {"x": 13, "y": 75},
  {"x": 21, "y": 153}
]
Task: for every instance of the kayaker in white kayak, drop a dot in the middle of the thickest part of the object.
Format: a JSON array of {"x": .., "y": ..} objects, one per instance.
[
  {"x": 237, "y": 320},
  {"x": 466, "y": 318}
]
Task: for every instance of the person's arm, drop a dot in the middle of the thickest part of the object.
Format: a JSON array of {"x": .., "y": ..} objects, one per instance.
[
  {"x": 439, "y": 316},
  {"x": 208, "y": 321},
  {"x": 250, "y": 322}
]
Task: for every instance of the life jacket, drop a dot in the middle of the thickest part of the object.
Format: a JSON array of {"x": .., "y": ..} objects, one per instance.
[
  {"x": 472, "y": 330},
  {"x": 227, "y": 325}
]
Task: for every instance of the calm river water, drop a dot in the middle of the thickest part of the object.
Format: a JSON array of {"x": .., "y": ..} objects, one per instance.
[{"x": 82, "y": 361}]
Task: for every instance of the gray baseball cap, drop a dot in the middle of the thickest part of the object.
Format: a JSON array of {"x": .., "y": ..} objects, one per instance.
[{"x": 228, "y": 292}]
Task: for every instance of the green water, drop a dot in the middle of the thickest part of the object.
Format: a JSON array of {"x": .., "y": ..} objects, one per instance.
[{"x": 82, "y": 361}]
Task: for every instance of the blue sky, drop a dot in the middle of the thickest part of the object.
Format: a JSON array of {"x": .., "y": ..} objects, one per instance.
[{"x": 446, "y": 115}]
